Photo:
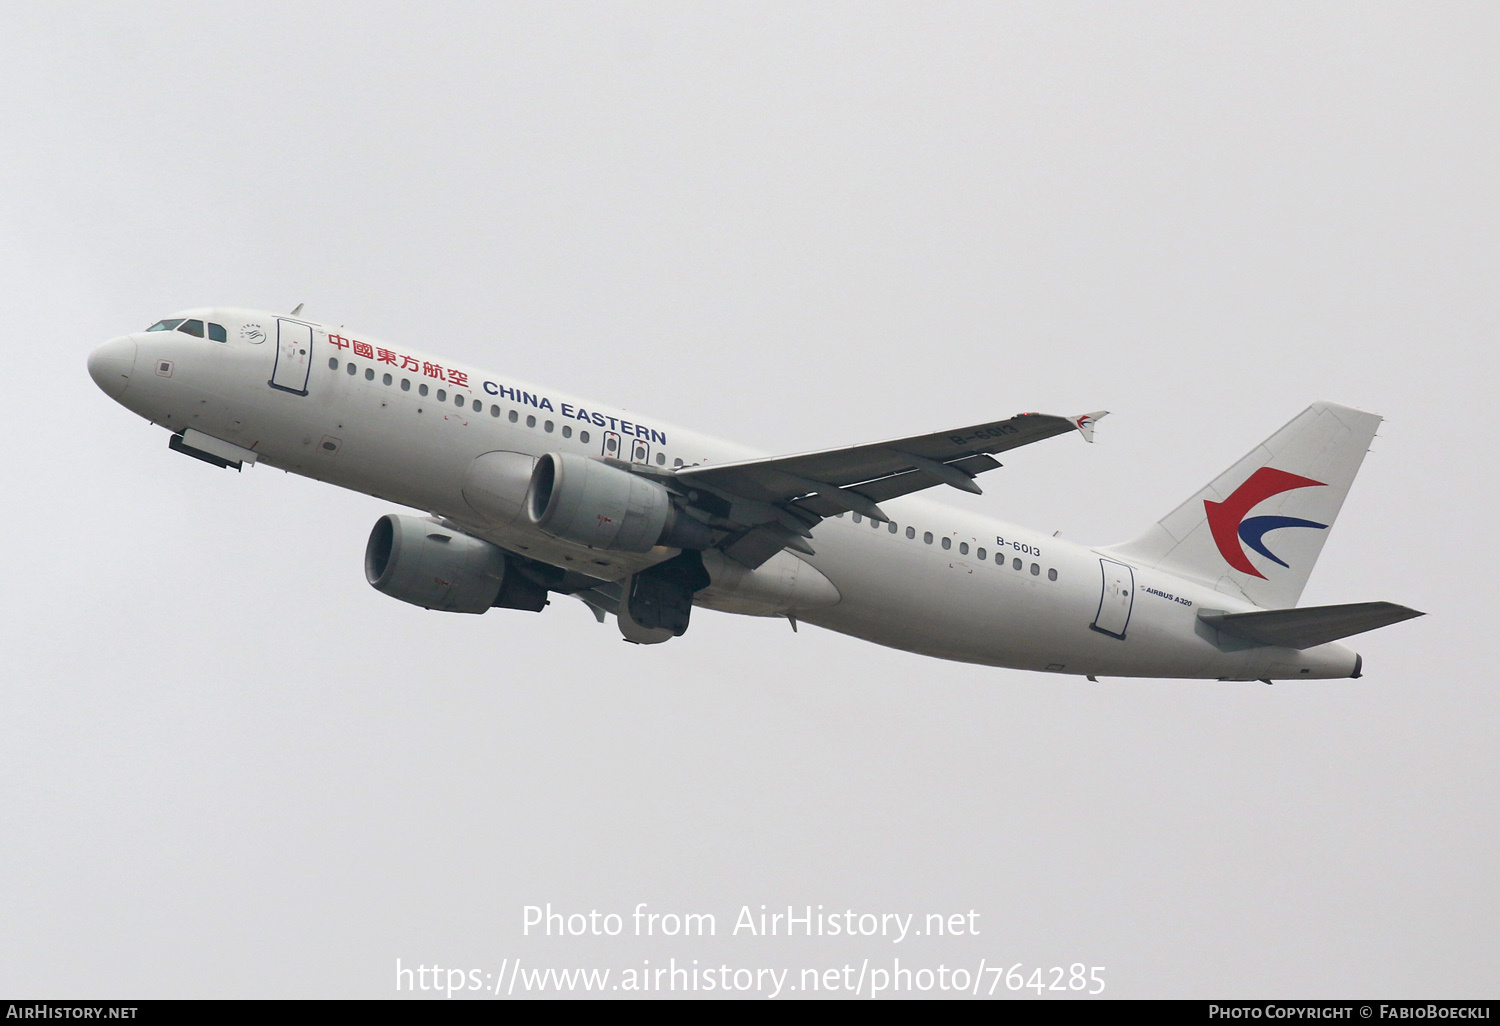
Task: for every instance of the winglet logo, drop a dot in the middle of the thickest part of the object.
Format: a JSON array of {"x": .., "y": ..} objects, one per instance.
[{"x": 1230, "y": 527}]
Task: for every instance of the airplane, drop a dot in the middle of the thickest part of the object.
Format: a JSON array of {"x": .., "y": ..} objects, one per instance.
[{"x": 530, "y": 492}]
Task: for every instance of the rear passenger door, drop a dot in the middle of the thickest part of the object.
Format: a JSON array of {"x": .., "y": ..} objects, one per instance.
[{"x": 1116, "y": 597}]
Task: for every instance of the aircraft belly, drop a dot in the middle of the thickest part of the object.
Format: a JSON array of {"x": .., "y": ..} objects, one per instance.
[
  {"x": 907, "y": 595},
  {"x": 385, "y": 444}
]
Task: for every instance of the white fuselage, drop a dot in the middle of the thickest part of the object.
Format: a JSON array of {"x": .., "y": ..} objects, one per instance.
[{"x": 944, "y": 582}]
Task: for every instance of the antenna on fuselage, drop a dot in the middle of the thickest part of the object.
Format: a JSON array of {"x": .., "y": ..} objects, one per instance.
[{"x": 298, "y": 310}]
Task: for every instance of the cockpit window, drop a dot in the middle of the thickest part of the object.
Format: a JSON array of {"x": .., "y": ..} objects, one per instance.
[
  {"x": 166, "y": 325},
  {"x": 216, "y": 332},
  {"x": 192, "y": 328}
]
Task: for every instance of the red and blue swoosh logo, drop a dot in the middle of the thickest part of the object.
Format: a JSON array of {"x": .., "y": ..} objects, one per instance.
[{"x": 1227, "y": 520}]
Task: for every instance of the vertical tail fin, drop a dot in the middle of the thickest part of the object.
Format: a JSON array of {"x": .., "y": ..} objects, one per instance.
[{"x": 1258, "y": 528}]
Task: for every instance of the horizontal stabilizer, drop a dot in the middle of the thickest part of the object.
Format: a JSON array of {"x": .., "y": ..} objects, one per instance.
[{"x": 1309, "y": 626}]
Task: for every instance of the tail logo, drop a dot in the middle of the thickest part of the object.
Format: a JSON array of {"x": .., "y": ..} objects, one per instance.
[{"x": 1230, "y": 526}]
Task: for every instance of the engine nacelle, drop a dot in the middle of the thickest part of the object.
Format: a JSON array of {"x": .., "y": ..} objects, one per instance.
[
  {"x": 422, "y": 562},
  {"x": 591, "y": 503},
  {"x": 495, "y": 485}
]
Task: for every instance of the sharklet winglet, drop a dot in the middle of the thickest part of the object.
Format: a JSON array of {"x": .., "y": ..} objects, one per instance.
[{"x": 1085, "y": 423}]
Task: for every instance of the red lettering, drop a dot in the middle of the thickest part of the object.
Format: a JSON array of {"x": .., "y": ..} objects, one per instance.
[
  {"x": 407, "y": 363},
  {"x": 338, "y": 341},
  {"x": 385, "y": 355},
  {"x": 433, "y": 370},
  {"x": 460, "y": 378},
  {"x": 364, "y": 349}
]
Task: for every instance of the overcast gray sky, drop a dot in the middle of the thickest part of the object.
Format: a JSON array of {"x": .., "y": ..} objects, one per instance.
[{"x": 229, "y": 767}]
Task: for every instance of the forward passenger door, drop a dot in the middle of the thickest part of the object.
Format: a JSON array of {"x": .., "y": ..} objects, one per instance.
[{"x": 294, "y": 343}]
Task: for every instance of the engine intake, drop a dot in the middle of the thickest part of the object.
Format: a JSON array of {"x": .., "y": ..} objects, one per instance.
[
  {"x": 422, "y": 562},
  {"x": 591, "y": 503}
]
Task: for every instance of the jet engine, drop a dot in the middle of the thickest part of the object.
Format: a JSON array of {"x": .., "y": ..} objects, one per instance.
[
  {"x": 420, "y": 561},
  {"x": 591, "y": 503}
]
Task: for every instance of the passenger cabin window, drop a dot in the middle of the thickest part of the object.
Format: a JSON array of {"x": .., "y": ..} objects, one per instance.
[
  {"x": 947, "y": 542},
  {"x": 980, "y": 553},
  {"x": 166, "y": 325},
  {"x": 1051, "y": 575},
  {"x": 583, "y": 436},
  {"x": 911, "y": 532},
  {"x": 963, "y": 548},
  {"x": 194, "y": 328},
  {"x": 927, "y": 537},
  {"x": 858, "y": 518}
]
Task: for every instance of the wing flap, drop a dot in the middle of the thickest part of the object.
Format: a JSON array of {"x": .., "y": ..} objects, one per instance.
[
  {"x": 897, "y": 485},
  {"x": 1309, "y": 626}
]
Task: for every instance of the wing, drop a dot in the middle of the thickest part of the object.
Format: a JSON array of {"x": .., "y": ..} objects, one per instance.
[{"x": 776, "y": 501}]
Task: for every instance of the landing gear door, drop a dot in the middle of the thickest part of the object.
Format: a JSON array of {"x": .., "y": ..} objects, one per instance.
[
  {"x": 1116, "y": 596},
  {"x": 293, "y": 356}
]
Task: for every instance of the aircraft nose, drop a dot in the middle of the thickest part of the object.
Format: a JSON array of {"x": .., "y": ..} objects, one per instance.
[{"x": 111, "y": 365}]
